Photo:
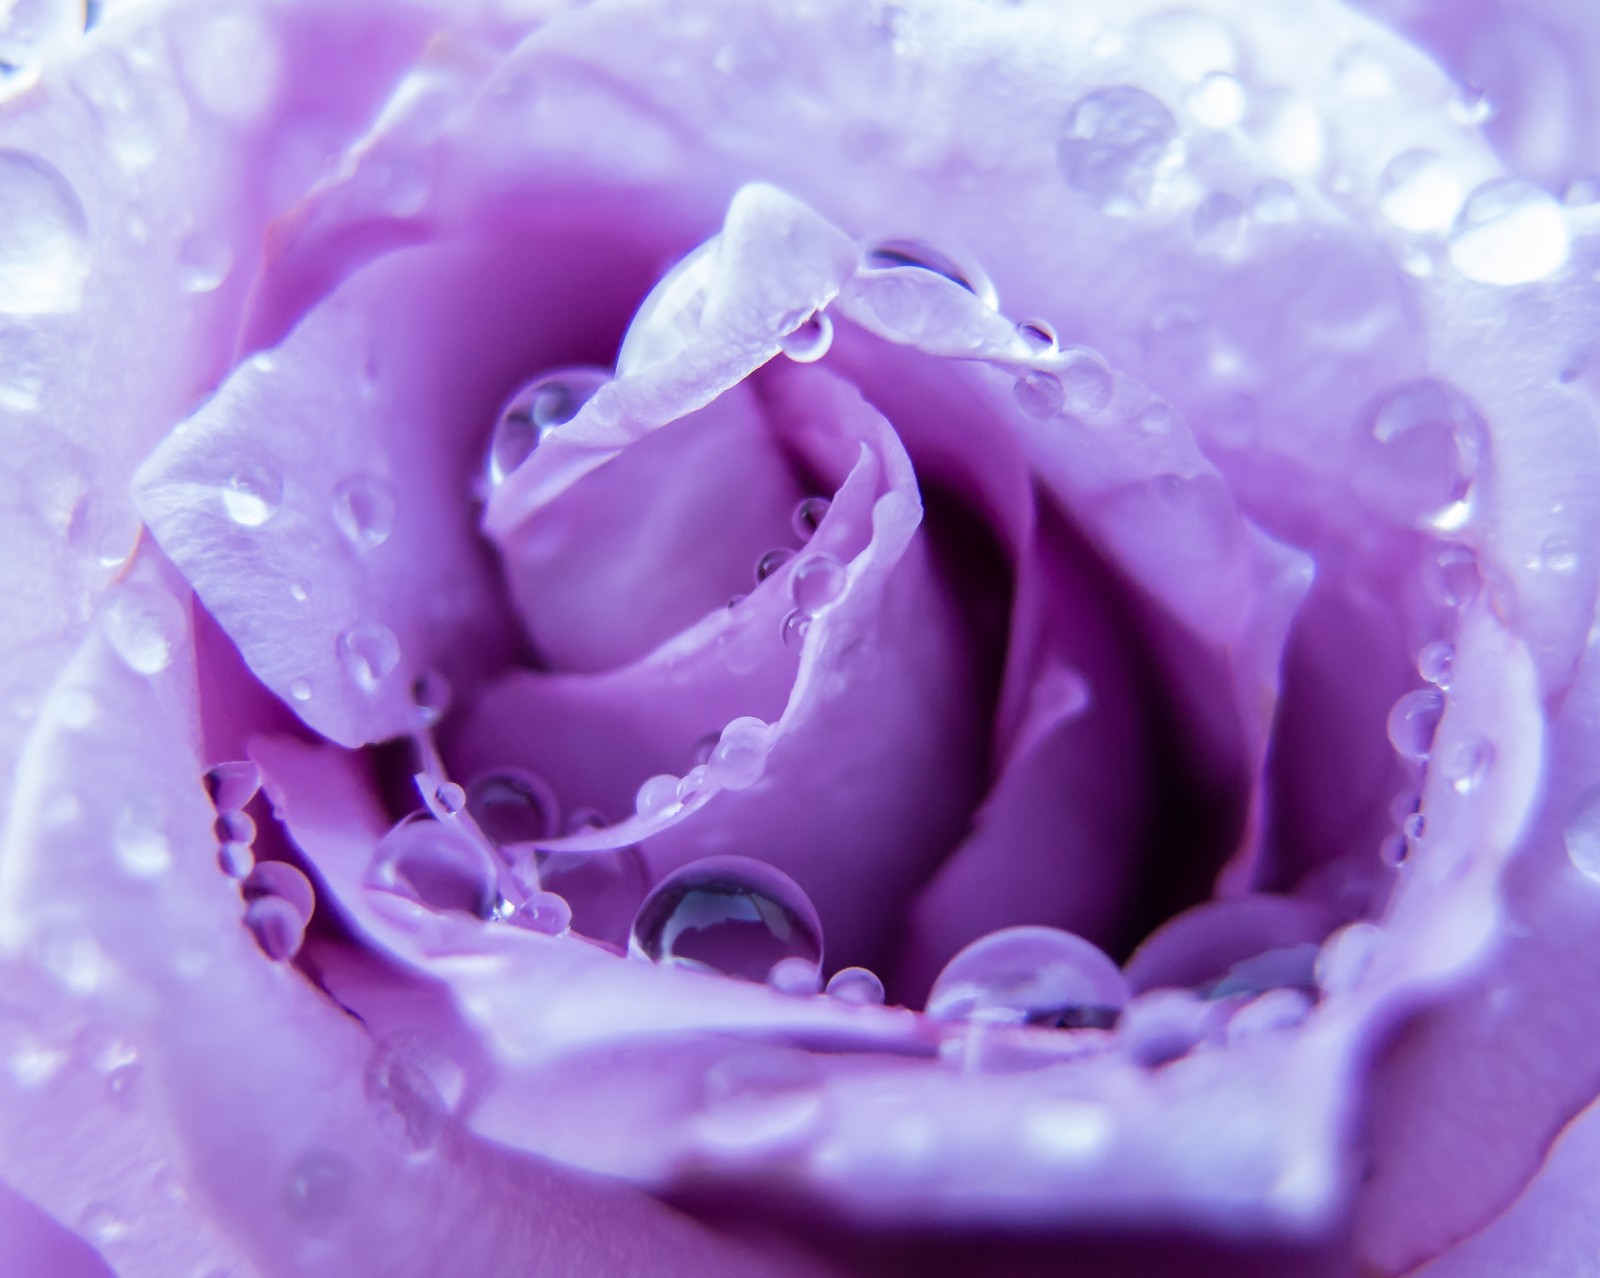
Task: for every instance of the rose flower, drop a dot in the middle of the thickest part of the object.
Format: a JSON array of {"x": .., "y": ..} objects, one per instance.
[{"x": 830, "y": 639}]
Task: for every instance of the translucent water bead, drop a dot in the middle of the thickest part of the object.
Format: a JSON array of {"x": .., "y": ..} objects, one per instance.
[
  {"x": 436, "y": 866},
  {"x": 535, "y": 409},
  {"x": 1112, "y": 144},
  {"x": 891, "y": 254},
  {"x": 1030, "y": 976},
  {"x": 603, "y": 890},
  {"x": 279, "y": 900},
  {"x": 512, "y": 806},
  {"x": 727, "y": 914}
]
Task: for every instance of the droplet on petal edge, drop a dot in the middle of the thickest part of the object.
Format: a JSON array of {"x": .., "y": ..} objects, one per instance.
[
  {"x": 1030, "y": 975},
  {"x": 534, "y": 411}
]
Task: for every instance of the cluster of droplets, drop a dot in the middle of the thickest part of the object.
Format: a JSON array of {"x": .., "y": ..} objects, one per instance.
[
  {"x": 278, "y": 898},
  {"x": 816, "y": 578}
]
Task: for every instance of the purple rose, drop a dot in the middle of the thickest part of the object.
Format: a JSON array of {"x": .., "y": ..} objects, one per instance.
[{"x": 799, "y": 640}]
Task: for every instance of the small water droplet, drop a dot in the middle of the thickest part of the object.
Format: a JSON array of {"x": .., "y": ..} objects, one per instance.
[
  {"x": 657, "y": 796},
  {"x": 364, "y": 510},
  {"x": 22, "y": 362},
  {"x": 370, "y": 652},
  {"x": 1415, "y": 826},
  {"x": 145, "y": 625},
  {"x": 1465, "y": 763},
  {"x": 1420, "y": 450},
  {"x": 232, "y": 785},
  {"x": 140, "y": 841},
  {"x": 816, "y": 582},
  {"x": 436, "y": 865},
  {"x": 1218, "y": 101},
  {"x": 1039, "y": 394},
  {"x": 898, "y": 254},
  {"x": 512, "y": 806},
  {"x": 1509, "y": 232},
  {"x": 740, "y": 756},
  {"x": 1436, "y": 661},
  {"x": 1469, "y": 105},
  {"x": 236, "y": 860},
  {"x": 1085, "y": 380},
  {"x": 234, "y": 827},
  {"x": 44, "y": 238},
  {"x": 279, "y": 928},
  {"x": 449, "y": 797},
  {"x": 1157, "y": 419},
  {"x": 1451, "y": 575},
  {"x": 809, "y": 341},
  {"x": 797, "y": 977},
  {"x": 1029, "y": 975},
  {"x": 280, "y": 879},
  {"x": 1113, "y": 142},
  {"x": 1419, "y": 191},
  {"x": 300, "y": 689},
  {"x": 536, "y": 409},
  {"x": 102, "y": 1224},
  {"x": 298, "y": 593},
  {"x": 1557, "y": 554},
  {"x": 430, "y": 693},
  {"x": 1393, "y": 850},
  {"x": 203, "y": 263},
  {"x": 545, "y": 913},
  {"x": 318, "y": 1189},
  {"x": 1038, "y": 336},
  {"x": 808, "y": 516},
  {"x": 857, "y": 985},
  {"x": 1582, "y": 192},
  {"x": 727, "y": 914},
  {"x": 772, "y": 561},
  {"x": 794, "y": 628},
  {"x": 252, "y": 495},
  {"x": 1413, "y": 721},
  {"x": 1583, "y": 833}
]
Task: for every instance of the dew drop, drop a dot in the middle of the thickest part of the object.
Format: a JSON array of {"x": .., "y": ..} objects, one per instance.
[
  {"x": 298, "y": 593},
  {"x": 1414, "y": 827},
  {"x": 370, "y": 652},
  {"x": 512, "y": 806},
  {"x": 545, "y": 913},
  {"x": 234, "y": 827},
  {"x": 657, "y": 796},
  {"x": 897, "y": 254},
  {"x": 534, "y": 410},
  {"x": 236, "y": 860},
  {"x": 1452, "y": 576},
  {"x": 1558, "y": 555},
  {"x": 856, "y": 985},
  {"x": 437, "y": 866},
  {"x": 280, "y": 879},
  {"x": 230, "y": 786},
  {"x": 203, "y": 263},
  {"x": 318, "y": 1189},
  {"x": 771, "y": 562},
  {"x": 1112, "y": 143},
  {"x": 1038, "y": 336},
  {"x": 1465, "y": 763},
  {"x": 810, "y": 341},
  {"x": 1419, "y": 191},
  {"x": 102, "y": 1224},
  {"x": 797, "y": 977},
  {"x": 300, "y": 689},
  {"x": 1412, "y": 722},
  {"x": 808, "y": 516},
  {"x": 1032, "y": 976},
  {"x": 794, "y": 628},
  {"x": 277, "y": 926},
  {"x": 1420, "y": 449},
  {"x": 740, "y": 755},
  {"x": 1583, "y": 833},
  {"x": 691, "y": 783},
  {"x": 44, "y": 237},
  {"x": 1469, "y": 105},
  {"x": 252, "y": 495},
  {"x": 669, "y": 318},
  {"x": 816, "y": 582},
  {"x": 141, "y": 844},
  {"x": 364, "y": 510},
  {"x": 1360, "y": 73},
  {"x": 1436, "y": 661},
  {"x": 1157, "y": 419},
  {"x": 1394, "y": 850},
  {"x": 1509, "y": 232},
  {"x": 145, "y": 626},
  {"x": 430, "y": 693},
  {"x": 1085, "y": 381},
  {"x": 22, "y": 361},
  {"x": 1039, "y": 394},
  {"x": 1218, "y": 101},
  {"x": 449, "y": 797},
  {"x": 727, "y": 914}
]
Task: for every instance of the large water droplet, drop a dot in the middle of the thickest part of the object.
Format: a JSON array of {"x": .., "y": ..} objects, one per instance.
[
  {"x": 277, "y": 926},
  {"x": 1413, "y": 721},
  {"x": 145, "y": 625},
  {"x": 285, "y": 881},
  {"x": 817, "y": 581},
  {"x": 437, "y": 866},
  {"x": 727, "y": 914},
  {"x": 364, "y": 509},
  {"x": 1420, "y": 449},
  {"x": 1039, "y": 394},
  {"x": 44, "y": 237},
  {"x": 1031, "y": 976},
  {"x": 669, "y": 318},
  {"x": 1419, "y": 191},
  {"x": 252, "y": 494},
  {"x": 534, "y": 410},
  {"x": 809, "y": 341},
  {"x": 1509, "y": 232},
  {"x": 1112, "y": 143},
  {"x": 512, "y": 806},
  {"x": 370, "y": 652},
  {"x": 894, "y": 254},
  {"x": 543, "y": 912}
]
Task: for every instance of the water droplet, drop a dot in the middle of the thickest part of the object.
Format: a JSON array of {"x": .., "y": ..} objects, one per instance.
[
  {"x": 512, "y": 806},
  {"x": 252, "y": 495},
  {"x": 102, "y": 1224},
  {"x": 1112, "y": 144},
  {"x": 44, "y": 238},
  {"x": 277, "y": 927},
  {"x": 691, "y": 783},
  {"x": 797, "y": 977},
  {"x": 1436, "y": 661},
  {"x": 1419, "y": 191},
  {"x": 1420, "y": 449},
  {"x": 1415, "y": 826},
  {"x": 794, "y": 629},
  {"x": 899, "y": 254},
  {"x": 120, "y": 1063},
  {"x": 449, "y": 797},
  {"x": 1346, "y": 955},
  {"x": 437, "y": 866},
  {"x": 1160, "y": 1026},
  {"x": 232, "y": 785},
  {"x": 1466, "y": 762},
  {"x": 816, "y": 582},
  {"x": 234, "y": 827},
  {"x": 1469, "y": 105},
  {"x": 1394, "y": 850},
  {"x": 1157, "y": 419},
  {"x": 364, "y": 509},
  {"x": 602, "y": 889},
  {"x": 300, "y": 689},
  {"x": 534, "y": 410},
  {"x": 1452, "y": 575},
  {"x": 740, "y": 755},
  {"x": 1218, "y": 101},
  {"x": 145, "y": 625},
  {"x": 430, "y": 693},
  {"x": 1038, "y": 336},
  {"x": 370, "y": 652},
  {"x": 808, "y": 516},
  {"x": 318, "y": 1189},
  {"x": 280, "y": 879},
  {"x": 203, "y": 263},
  {"x": 22, "y": 361},
  {"x": 1218, "y": 223},
  {"x": 1085, "y": 380},
  {"x": 236, "y": 860},
  {"x": 406, "y": 1091},
  {"x": 1413, "y": 721},
  {"x": 140, "y": 841},
  {"x": 727, "y": 914},
  {"x": 1557, "y": 554},
  {"x": 298, "y": 593},
  {"x": 1029, "y": 975},
  {"x": 1583, "y": 832},
  {"x": 545, "y": 913},
  {"x": 1039, "y": 394},
  {"x": 669, "y": 318},
  {"x": 657, "y": 796},
  {"x": 808, "y": 342},
  {"x": 857, "y": 985},
  {"x": 770, "y": 562},
  {"x": 1509, "y": 232}
]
